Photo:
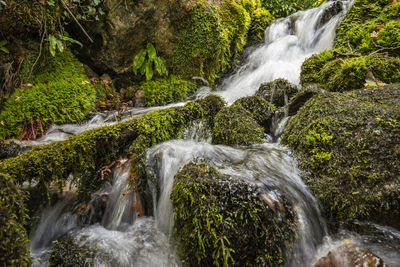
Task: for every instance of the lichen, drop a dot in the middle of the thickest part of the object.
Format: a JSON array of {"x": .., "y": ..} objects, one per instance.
[
  {"x": 349, "y": 145},
  {"x": 220, "y": 221}
]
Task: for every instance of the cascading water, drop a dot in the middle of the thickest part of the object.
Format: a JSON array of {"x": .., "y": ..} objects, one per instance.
[
  {"x": 288, "y": 42},
  {"x": 123, "y": 239}
]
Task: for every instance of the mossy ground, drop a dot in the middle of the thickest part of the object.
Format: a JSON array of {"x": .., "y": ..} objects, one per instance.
[
  {"x": 220, "y": 221},
  {"x": 60, "y": 93},
  {"x": 349, "y": 144},
  {"x": 363, "y": 44}
]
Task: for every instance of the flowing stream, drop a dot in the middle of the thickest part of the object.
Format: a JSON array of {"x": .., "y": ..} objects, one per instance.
[{"x": 119, "y": 237}]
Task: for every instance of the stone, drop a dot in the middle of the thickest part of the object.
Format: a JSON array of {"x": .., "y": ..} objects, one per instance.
[{"x": 140, "y": 100}]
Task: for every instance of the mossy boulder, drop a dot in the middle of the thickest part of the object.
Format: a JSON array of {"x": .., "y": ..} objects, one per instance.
[
  {"x": 13, "y": 237},
  {"x": 163, "y": 91},
  {"x": 349, "y": 145},
  {"x": 221, "y": 221},
  {"x": 59, "y": 93},
  {"x": 67, "y": 252},
  {"x": 277, "y": 92},
  {"x": 342, "y": 74},
  {"x": 235, "y": 126}
]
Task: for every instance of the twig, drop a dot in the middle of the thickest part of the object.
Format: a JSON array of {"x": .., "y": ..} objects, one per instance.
[
  {"x": 77, "y": 22},
  {"x": 40, "y": 47},
  {"x": 348, "y": 43},
  {"x": 382, "y": 48}
]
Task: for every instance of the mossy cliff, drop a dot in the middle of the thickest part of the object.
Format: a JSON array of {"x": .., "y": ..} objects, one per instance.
[
  {"x": 59, "y": 92},
  {"x": 220, "y": 221},
  {"x": 348, "y": 144},
  {"x": 367, "y": 42},
  {"x": 85, "y": 154}
]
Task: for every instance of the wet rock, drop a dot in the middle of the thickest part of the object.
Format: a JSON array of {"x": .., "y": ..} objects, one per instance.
[
  {"x": 329, "y": 13},
  {"x": 224, "y": 221},
  {"x": 277, "y": 92},
  {"x": 349, "y": 145},
  {"x": 9, "y": 149},
  {"x": 236, "y": 126},
  {"x": 140, "y": 100},
  {"x": 300, "y": 98},
  {"x": 350, "y": 255},
  {"x": 261, "y": 110}
]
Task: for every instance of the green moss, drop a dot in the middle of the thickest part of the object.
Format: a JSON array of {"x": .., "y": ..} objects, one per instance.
[
  {"x": 260, "y": 110},
  {"x": 13, "y": 238},
  {"x": 166, "y": 90},
  {"x": 277, "y": 92},
  {"x": 260, "y": 21},
  {"x": 345, "y": 74},
  {"x": 61, "y": 93},
  {"x": 235, "y": 126},
  {"x": 215, "y": 35},
  {"x": 349, "y": 145},
  {"x": 218, "y": 226}
]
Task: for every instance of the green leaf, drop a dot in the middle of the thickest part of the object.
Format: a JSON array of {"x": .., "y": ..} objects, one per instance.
[
  {"x": 151, "y": 51},
  {"x": 149, "y": 70},
  {"x": 159, "y": 63},
  {"x": 3, "y": 43},
  {"x": 143, "y": 69},
  {"x": 139, "y": 60},
  {"x": 60, "y": 45},
  {"x": 5, "y": 50},
  {"x": 67, "y": 39},
  {"x": 52, "y": 45}
]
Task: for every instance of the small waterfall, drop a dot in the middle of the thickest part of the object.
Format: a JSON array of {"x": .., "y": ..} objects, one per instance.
[{"x": 288, "y": 42}]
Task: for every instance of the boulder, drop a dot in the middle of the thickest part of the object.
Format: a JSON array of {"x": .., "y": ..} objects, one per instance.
[
  {"x": 348, "y": 144},
  {"x": 223, "y": 221},
  {"x": 277, "y": 92}
]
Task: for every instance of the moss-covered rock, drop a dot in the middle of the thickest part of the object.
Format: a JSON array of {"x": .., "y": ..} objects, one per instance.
[
  {"x": 60, "y": 93},
  {"x": 166, "y": 90},
  {"x": 260, "y": 109},
  {"x": 342, "y": 74},
  {"x": 277, "y": 92},
  {"x": 220, "y": 221},
  {"x": 349, "y": 145},
  {"x": 13, "y": 237},
  {"x": 235, "y": 126},
  {"x": 67, "y": 252}
]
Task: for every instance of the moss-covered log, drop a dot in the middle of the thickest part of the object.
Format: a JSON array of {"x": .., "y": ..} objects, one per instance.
[
  {"x": 350, "y": 145},
  {"x": 221, "y": 221}
]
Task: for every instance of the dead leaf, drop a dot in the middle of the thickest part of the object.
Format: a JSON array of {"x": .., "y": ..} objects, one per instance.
[
  {"x": 85, "y": 82},
  {"x": 6, "y": 142},
  {"x": 374, "y": 34},
  {"x": 379, "y": 83},
  {"x": 380, "y": 26}
]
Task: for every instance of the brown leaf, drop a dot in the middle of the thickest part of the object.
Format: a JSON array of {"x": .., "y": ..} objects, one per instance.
[
  {"x": 379, "y": 83},
  {"x": 380, "y": 26}
]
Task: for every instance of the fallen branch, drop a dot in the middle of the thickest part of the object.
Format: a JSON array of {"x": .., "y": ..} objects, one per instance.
[{"x": 382, "y": 48}]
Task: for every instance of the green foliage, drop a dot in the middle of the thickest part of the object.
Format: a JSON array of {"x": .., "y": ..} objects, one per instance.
[
  {"x": 163, "y": 91},
  {"x": 280, "y": 9},
  {"x": 340, "y": 75},
  {"x": 147, "y": 60},
  {"x": 60, "y": 93},
  {"x": 236, "y": 126},
  {"x": 260, "y": 109},
  {"x": 56, "y": 43},
  {"x": 216, "y": 35},
  {"x": 3, "y": 47},
  {"x": 13, "y": 237},
  {"x": 369, "y": 25},
  {"x": 348, "y": 144},
  {"x": 218, "y": 226}
]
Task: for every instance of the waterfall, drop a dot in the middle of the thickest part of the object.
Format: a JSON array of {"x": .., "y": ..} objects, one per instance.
[{"x": 288, "y": 42}]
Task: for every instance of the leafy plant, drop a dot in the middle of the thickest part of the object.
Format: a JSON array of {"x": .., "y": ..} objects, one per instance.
[
  {"x": 3, "y": 46},
  {"x": 144, "y": 60},
  {"x": 58, "y": 43}
]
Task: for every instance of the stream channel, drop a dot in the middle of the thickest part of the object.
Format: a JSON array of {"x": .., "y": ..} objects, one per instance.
[{"x": 122, "y": 238}]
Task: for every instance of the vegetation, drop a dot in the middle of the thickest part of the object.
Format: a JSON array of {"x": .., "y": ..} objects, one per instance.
[
  {"x": 163, "y": 91},
  {"x": 59, "y": 93},
  {"x": 349, "y": 145},
  {"x": 147, "y": 60},
  {"x": 277, "y": 91},
  {"x": 218, "y": 226},
  {"x": 280, "y": 9}
]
